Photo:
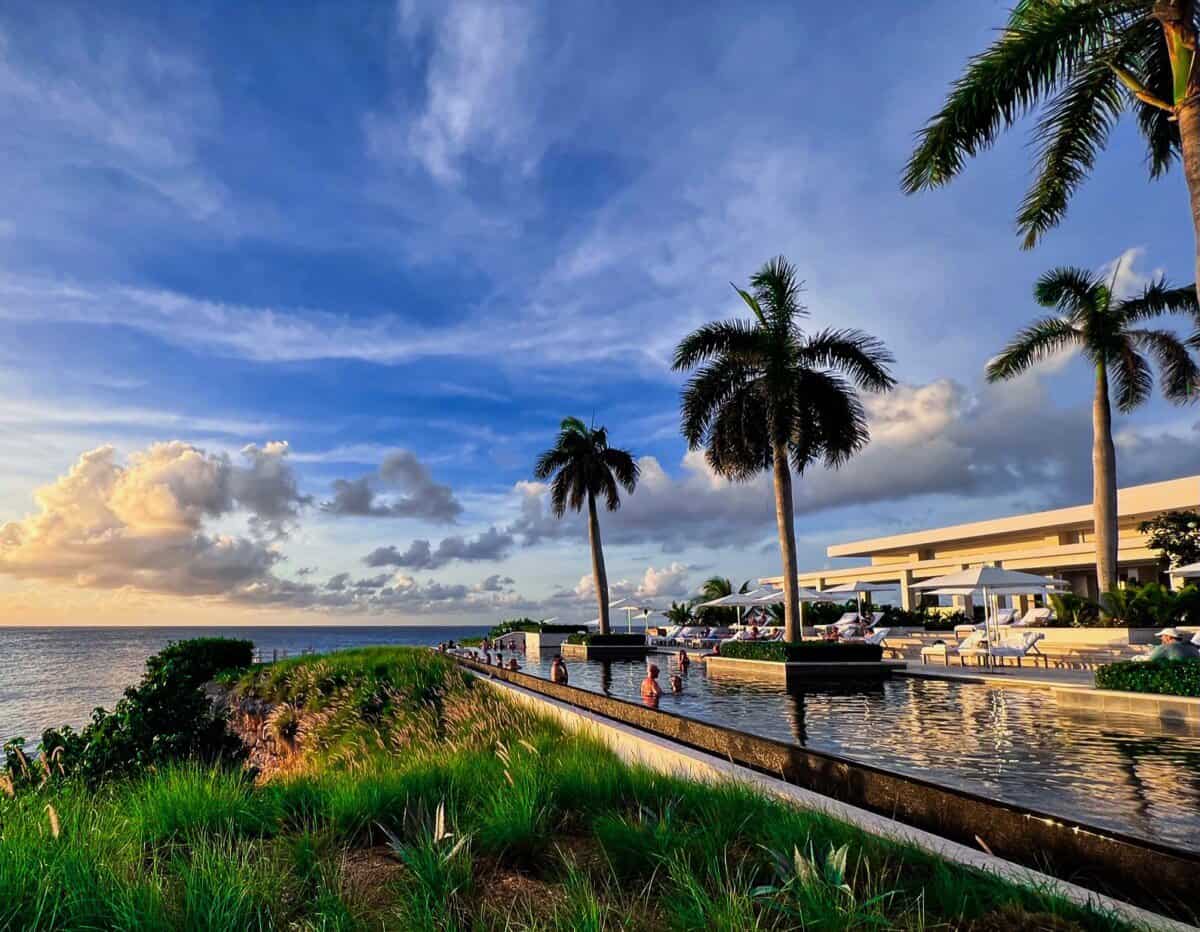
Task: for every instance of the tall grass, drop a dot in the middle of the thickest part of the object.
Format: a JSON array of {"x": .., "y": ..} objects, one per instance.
[{"x": 538, "y": 829}]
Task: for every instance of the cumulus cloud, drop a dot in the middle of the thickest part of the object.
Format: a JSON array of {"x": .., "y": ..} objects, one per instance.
[
  {"x": 142, "y": 525},
  {"x": 402, "y": 487},
  {"x": 267, "y": 487},
  {"x": 421, "y": 555}
]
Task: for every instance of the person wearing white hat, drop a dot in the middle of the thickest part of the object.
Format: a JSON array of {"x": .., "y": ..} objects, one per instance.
[{"x": 1174, "y": 646}]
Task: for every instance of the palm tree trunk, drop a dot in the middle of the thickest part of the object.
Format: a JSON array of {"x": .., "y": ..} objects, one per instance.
[
  {"x": 1177, "y": 18},
  {"x": 599, "y": 575},
  {"x": 787, "y": 542},
  {"x": 1104, "y": 484}
]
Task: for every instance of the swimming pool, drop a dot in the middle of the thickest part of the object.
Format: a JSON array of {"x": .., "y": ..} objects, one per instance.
[{"x": 1123, "y": 772}]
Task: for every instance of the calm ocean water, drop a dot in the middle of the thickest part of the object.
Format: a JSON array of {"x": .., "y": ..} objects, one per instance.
[{"x": 56, "y": 676}]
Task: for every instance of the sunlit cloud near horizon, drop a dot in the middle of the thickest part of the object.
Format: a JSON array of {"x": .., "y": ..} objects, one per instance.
[{"x": 292, "y": 303}]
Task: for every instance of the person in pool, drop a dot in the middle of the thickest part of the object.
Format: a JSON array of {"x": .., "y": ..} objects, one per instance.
[
  {"x": 513, "y": 665},
  {"x": 1173, "y": 646},
  {"x": 683, "y": 660},
  {"x": 558, "y": 670},
  {"x": 676, "y": 683},
  {"x": 650, "y": 687}
]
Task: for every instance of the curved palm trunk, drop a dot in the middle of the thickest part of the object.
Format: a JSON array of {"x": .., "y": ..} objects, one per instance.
[
  {"x": 599, "y": 575},
  {"x": 1176, "y": 18},
  {"x": 1104, "y": 485},
  {"x": 787, "y": 542}
]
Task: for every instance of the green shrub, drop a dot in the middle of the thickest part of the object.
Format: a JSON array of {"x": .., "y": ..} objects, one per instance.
[
  {"x": 166, "y": 717},
  {"x": 528, "y": 624},
  {"x": 608, "y": 640},
  {"x": 1169, "y": 677},
  {"x": 945, "y": 620},
  {"x": 801, "y": 651}
]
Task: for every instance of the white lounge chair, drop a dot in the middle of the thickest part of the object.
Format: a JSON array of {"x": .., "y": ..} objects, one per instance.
[
  {"x": 666, "y": 639},
  {"x": 940, "y": 650},
  {"x": 1033, "y": 618},
  {"x": 1005, "y": 616},
  {"x": 1019, "y": 650},
  {"x": 878, "y": 636}
]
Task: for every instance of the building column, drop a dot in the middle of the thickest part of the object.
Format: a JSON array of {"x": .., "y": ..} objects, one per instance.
[
  {"x": 967, "y": 604},
  {"x": 907, "y": 596}
]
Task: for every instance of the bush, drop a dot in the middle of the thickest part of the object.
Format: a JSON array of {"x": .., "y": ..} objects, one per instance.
[
  {"x": 608, "y": 640},
  {"x": 166, "y": 717},
  {"x": 528, "y": 624},
  {"x": 945, "y": 620},
  {"x": 1153, "y": 606},
  {"x": 1169, "y": 677},
  {"x": 802, "y": 651}
]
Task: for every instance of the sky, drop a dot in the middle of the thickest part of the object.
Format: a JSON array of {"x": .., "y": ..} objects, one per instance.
[{"x": 291, "y": 299}]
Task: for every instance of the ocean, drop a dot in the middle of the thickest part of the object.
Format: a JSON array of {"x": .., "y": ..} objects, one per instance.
[{"x": 55, "y": 676}]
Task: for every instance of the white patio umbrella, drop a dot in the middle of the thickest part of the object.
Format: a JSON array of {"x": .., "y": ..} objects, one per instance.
[
  {"x": 738, "y": 600},
  {"x": 1187, "y": 571},
  {"x": 858, "y": 588},
  {"x": 992, "y": 581},
  {"x": 803, "y": 594}
]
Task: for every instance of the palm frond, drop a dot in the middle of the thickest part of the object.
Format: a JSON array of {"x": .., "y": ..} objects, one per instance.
[
  {"x": 859, "y": 355},
  {"x": 737, "y": 444},
  {"x": 1157, "y": 299},
  {"x": 707, "y": 391},
  {"x": 623, "y": 467},
  {"x": 720, "y": 338},
  {"x": 1159, "y": 128},
  {"x": 1131, "y": 376},
  {"x": 560, "y": 491},
  {"x": 1045, "y": 44},
  {"x": 777, "y": 291},
  {"x": 550, "y": 462},
  {"x": 829, "y": 423},
  {"x": 1071, "y": 131},
  {"x": 1177, "y": 371},
  {"x": 1069, "y": 289},
  {"x": 1040, "y": 340}
]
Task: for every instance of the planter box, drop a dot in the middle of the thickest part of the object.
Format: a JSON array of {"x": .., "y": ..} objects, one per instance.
[
  {"x": 1174, "y": 710},
  {"x": 780, "y": 671},
  {"x": 603, "y": 651}
]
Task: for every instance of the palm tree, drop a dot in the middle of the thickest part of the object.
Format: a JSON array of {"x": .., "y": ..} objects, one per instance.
[
  {"x": 1102, "y": 327},
  {"x": 1088, "y": 61},
  {"x": 582, "y": 467},
  {"x": 768, "y": 396},
  {"x": 680, "y": 613},
  {"x": 717, "y": 587}
]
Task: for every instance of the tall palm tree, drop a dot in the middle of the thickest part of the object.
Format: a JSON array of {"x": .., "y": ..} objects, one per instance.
[
  {"x": 1088, "y": 61},
  {"x": 582, "y": 467},
  {"x": 769, "y": 396},
  {"x": 1103, "y": 328}
]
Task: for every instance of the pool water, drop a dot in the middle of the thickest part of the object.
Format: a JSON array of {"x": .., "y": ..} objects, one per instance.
[{"x": 1127, "y": 773}]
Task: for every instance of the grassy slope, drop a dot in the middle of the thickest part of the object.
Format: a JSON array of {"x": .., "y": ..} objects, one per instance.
[{"x": 419, "y": 802}]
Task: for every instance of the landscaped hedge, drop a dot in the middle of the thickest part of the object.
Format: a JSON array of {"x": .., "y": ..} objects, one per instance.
[
  {"x": 801, "y": 652},
  {"x": 608, "y": 640},
  {"x": 1169, "y": 677},
  {"x": 528, "y": 625}
]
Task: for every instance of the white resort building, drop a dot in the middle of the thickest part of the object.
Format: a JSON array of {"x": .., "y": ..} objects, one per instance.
[{"x": 1058, "y": 543}]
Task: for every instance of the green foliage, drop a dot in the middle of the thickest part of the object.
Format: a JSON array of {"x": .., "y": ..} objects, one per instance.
[
  {"x": 166, "y": 717},
  {"x": 1074, "y": 610},
  {"x": 802, "y": 651},
  {"x": 1154, "y": 606},
  {"x": 1170, "y": 677},
  {"x": 528, "y": 624},
  {"x": 1175, "y": 535},
  {"x": 680, "y": 613}
]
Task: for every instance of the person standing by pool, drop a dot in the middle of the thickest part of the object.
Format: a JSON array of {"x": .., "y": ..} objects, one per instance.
[
  {"x": 650, "y": 687},
  {"x": 558, "y": 670}
]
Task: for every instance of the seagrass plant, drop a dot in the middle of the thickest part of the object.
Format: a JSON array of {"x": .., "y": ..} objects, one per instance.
[
  {"x": 1085, "y": 63},
  {"x": 767, "y": 395}
]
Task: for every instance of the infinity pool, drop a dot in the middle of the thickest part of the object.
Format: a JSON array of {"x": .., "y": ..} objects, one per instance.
[{"x": 1123, "y": 772}]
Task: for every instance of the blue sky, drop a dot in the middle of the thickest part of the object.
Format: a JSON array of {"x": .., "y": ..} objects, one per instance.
[{"x": 407, "y": 239}]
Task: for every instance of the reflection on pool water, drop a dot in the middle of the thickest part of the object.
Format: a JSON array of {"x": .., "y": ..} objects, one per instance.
[{"x": 1122, "y": 772}]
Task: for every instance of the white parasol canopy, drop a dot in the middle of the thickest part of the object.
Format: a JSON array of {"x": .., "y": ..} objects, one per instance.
[{"x": 1188, "y": 570}]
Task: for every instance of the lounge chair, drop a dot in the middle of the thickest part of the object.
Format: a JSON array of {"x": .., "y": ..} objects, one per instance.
[
  {"x": 1019, "y": 650},
  {"x": 941, "y": 650},
  {"x": 1033, "y": 618},
  {"x": 877, "y": 637},
  {"x": 707, "y": 641},
  {"x": 1005, "y": 616},
  {"x": 666, "y": 639}
]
